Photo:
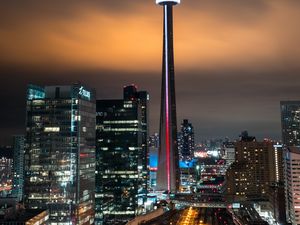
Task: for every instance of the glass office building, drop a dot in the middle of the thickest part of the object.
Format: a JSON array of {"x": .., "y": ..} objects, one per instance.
[
  {"x": 121, "y": 167},
  {"x": 290, "y": 122},
  {"x": 18, "y": 166},
  {"x": 60, "y": 153}
]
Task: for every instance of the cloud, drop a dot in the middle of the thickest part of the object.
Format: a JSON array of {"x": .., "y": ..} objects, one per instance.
[{"x": 126, "y": 35}]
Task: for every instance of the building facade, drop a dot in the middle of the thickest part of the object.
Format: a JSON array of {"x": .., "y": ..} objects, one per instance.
[
  {"x": 6, "y": 173},
  {"x": 253, "y": 173},
  {"x": 290, "y": 122},
  {"x": 153, "y": 145},
  {"x": 122, "y": 159},
  {"x": 168, "y": 169},
  {"x": 292, "y": 184},
  {"x": 18, "y": 166},
  {"x": 60, "y": 153},
  {"x": 229, "y": 153}
]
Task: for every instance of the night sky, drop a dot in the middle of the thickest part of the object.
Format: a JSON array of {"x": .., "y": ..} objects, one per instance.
[{"x": 234, "y": 59}]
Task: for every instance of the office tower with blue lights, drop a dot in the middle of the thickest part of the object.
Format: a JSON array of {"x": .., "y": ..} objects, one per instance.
[
  {"x": 186, "y": 143},
  {"x": 18, "y": 166},
  {"x": 60, "y": 152},
  {"x": 122, "y": 159},
  {"x": 168, "y": 172}
]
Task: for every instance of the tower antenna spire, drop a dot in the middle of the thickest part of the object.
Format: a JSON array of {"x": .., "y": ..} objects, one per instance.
[{"x": 168, "y": 171}]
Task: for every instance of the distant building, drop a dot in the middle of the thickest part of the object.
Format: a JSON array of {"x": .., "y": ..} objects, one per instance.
[
  {"x": 153, "y": 159},
  {"x": 229, "y": 152},
  {"x": 18, "y": 166},
  {"x": 290, "y": 122},
  {"x": 6, "y": 174},
  {"x": 254, "y": 171},
  {"x": 277, "y": 193},
  {"x": 122, "y": 159},
  {"x": 186, "y": 142},
  {"x": 60, "y": 152},
  {"x": 154, "y": 140},
  {"x": 292, "y": 184}
]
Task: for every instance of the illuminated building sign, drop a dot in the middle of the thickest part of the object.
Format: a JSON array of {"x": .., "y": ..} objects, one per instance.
[
  {"x": 200, "y": 154},
  {"x": 84, "y": 93},
  {"x": 206, "y": 154}
]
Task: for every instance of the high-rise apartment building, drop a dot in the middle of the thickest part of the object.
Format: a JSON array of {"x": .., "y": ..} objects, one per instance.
[
  {"x": 254, "y": 169},
  {"x": 60, "y": 153},
  {"x": 186, "y": 142},
  {"x": 18, "y": 166},
  {"x": 122, "y": 160},
  {"x": 290, "y": 122},
  {"x": 168, "y": 169},
  {"x": 292, "y": 184}
]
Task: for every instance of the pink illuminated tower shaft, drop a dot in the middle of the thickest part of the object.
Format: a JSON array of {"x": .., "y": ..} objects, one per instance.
[{"x": 168, "y": 173}]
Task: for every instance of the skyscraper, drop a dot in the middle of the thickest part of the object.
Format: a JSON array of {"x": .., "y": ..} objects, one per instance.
[
  {"x": 121, "y": 169},
  {"x": 168, "y": 172},
  {"x": 18, "y": 166},
  {"x": 186, "y": 145},
  {"x": 290, "y": 122},
  {"x": 60, "y": 152},
  {"x": 292, "y": 184},
  {"x": 254, "y": 169}
]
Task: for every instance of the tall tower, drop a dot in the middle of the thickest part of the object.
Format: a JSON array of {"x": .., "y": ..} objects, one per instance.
[{"x": 168, "y": 173}]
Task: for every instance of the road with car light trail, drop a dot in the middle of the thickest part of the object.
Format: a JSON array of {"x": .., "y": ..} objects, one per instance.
[
  {"x": 204, "y": 216},
  {"x": 194, "y": 216}
]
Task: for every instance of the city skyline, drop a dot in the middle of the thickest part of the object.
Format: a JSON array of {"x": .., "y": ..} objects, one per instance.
[{"x": 239, "y": 59}]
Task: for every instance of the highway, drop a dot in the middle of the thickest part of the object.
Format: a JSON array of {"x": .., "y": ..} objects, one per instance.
[
  {"x": 194, "y": 216},
  {"x": 204, "y": 216}
]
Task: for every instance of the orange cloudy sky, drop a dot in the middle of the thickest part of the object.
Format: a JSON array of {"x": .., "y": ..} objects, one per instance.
[{"x": 226, "y": 51}]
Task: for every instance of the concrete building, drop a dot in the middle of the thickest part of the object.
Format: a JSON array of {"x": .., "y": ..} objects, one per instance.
[
  {"x": 292, "y": 184},
  {"x": 254, "y": 170}
]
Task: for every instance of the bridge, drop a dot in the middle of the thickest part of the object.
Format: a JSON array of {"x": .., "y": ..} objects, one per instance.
[
  {"x": 200, "y": 200},
  {"x": 200, "y": 204}
]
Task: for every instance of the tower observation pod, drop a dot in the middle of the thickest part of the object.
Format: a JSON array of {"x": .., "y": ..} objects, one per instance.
[{"x": 168, "y": 168}]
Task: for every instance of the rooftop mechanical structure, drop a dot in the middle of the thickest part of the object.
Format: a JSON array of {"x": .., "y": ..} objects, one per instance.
[{"x": 168, "y": 169}]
